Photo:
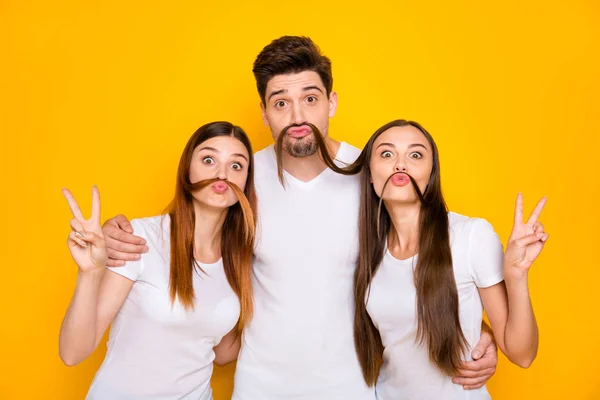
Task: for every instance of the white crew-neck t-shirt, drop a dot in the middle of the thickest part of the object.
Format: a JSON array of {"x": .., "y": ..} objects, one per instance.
[
  {"x": 299, "y": 344},
  {"x": 407, "y": 373},
  {"x": 159, "y": 351}
]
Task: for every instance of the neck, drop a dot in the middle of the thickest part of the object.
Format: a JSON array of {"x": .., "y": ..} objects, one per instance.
[
  {"x": 307, "y": 168},
  {"x": 403, "y": 238},
  {"x": 207, "y": 233}
]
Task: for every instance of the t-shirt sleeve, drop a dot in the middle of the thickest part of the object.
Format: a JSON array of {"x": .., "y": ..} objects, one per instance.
[
  {"x": 132, "y": 269},
  {"x": 485, "y": 254}
]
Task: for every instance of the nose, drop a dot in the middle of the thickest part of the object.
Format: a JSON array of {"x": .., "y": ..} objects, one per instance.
[
  {"x": 400, "y": 166},
  {"x": 298, "y": 115},
  {"x": 222, "y": 172}
]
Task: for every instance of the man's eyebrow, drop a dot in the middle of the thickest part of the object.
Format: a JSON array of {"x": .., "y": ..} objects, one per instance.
[
  {"x": 312, "y": 88},
  {"x": 275, "y": 93}
]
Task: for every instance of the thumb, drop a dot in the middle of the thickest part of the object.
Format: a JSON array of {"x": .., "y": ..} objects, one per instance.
[
  {"x": 91, "y": 237},
  {"x": 484, "y": 342}
]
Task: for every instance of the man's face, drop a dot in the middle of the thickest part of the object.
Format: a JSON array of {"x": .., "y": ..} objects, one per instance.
[{"x": 296, "y": 99}]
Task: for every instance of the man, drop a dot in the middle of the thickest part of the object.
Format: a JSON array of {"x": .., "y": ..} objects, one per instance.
[{"x": 299, "y": 345}]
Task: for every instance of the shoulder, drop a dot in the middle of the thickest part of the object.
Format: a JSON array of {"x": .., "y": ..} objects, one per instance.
[
  {"x": 151, "y": 227},
  {"x": 347, "y": 153},
  {"x": 264, "y": 155},
  {"x": 464, "y": 226},
  {"x": 265, "y": 165}
]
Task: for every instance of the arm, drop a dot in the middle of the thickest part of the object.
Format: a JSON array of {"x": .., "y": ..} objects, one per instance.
[
  {"x": 228, "y": 349},
  {"x": 485, "y": 264},
  {"x": 98, "y": 297},
  {"x": 508, "y": 304},
  {"x": 516, "y": 331}
]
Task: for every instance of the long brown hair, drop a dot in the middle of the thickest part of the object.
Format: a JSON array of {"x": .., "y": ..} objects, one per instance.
[
  {"x": 437, "y": 297},
  {"x": 237, "y": 234}
]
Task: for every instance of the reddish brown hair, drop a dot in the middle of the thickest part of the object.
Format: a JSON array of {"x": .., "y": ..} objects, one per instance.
[{"x": 237, "y": 236}]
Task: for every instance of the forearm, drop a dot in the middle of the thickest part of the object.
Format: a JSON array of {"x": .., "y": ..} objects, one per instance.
[
  {"x": 78, "y": 331},
  {"x": 521, "y": 333}
]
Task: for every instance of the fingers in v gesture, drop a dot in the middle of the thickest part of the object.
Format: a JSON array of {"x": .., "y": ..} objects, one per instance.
[
  {"x": 527, "y": 239},
  {"x": 86, "y": 241}
]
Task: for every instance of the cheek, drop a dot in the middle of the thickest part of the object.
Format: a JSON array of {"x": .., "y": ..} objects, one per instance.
[
  {"x": 275, "y": 120},
  {"x": 378, "y": 177},
  {"x": 378, "y": 186},
  {"x": 240, "y": 180},
  {"x": 276, "y": 129},
  {"x": 197, "y": 172},
  {"x": 424, "y": 172},
  {"x": 319, "y": 116}
]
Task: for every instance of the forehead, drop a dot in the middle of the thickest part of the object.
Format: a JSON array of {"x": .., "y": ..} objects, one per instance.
[
  {"x": 294, "y": 81},
  {"x": 402, "y": 136},
  {"x": 225, "y": 145}
]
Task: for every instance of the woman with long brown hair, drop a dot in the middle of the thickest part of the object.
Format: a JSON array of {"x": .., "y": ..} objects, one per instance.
[
  {"x": 424, "y": 273},
  {"x": 183, "y": 304}
]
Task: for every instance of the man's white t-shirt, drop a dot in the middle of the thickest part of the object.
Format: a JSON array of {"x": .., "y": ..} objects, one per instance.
[
  {"x": 299, "y": 344},
  {"x": 407, "y": 372},
  {"x": 160, "y": 351}
]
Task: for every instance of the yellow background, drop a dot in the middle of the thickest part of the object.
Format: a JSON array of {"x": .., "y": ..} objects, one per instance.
[{"x": 108, "y": 93}]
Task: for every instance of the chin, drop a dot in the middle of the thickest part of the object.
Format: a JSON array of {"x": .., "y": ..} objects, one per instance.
[
  {"x": 215, "y": 203},
  {"x": 402, "y": 200}
]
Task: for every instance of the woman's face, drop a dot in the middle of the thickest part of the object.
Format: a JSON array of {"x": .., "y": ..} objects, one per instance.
[
  {"x": 222, "y": 157},
  {"x": 398, "y": 151}
]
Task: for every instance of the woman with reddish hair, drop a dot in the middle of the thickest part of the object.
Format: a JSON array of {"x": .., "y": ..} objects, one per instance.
[{"x": 182, "y": 304}]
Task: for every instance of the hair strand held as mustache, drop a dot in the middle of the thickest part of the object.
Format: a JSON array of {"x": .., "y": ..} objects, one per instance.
[
  {"x": 249, "y": 222},
  {"x": 415, "y": 187},
  {"x": 324, "y": 152}
]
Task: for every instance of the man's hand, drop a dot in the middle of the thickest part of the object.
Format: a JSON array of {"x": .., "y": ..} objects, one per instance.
[
  {"x": 121, "y": 244},
  {"x": 474, "y": 374}
]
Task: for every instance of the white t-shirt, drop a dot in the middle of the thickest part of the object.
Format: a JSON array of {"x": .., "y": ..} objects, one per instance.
[
  {"x": 407, "y": 373},
  {"x": 299, "y": 344},
  {"x": 156, "y": 351}
]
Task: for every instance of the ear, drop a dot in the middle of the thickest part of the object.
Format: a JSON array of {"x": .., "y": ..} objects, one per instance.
[
  {"x": 263, "y": 111},
  {"x": 333, "y": 102}
]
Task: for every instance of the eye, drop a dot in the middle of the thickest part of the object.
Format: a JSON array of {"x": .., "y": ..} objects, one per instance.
[
  {"x": 208, "y": 160},
  {"x": 416, "y": 155},
  {"x": 386, "y": 154},
  {"x": 311, "y": 99},
  {"x": 237, "y": 166},
  {"x": 280, "y": 103}
]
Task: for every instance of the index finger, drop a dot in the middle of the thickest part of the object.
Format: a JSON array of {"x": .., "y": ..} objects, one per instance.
[
  {"x": 519, "y": 210},
  {"x": 538, "y": 210},
  {"x": 96, "y": 205},
  {"x": 73, "y": 205}
]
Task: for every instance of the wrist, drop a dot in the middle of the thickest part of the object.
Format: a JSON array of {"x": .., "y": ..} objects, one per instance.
[
  {"x": 92, "y": 274},
  {"x": 516, "y": 279},
  {"x": 515, "y": 273}
]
